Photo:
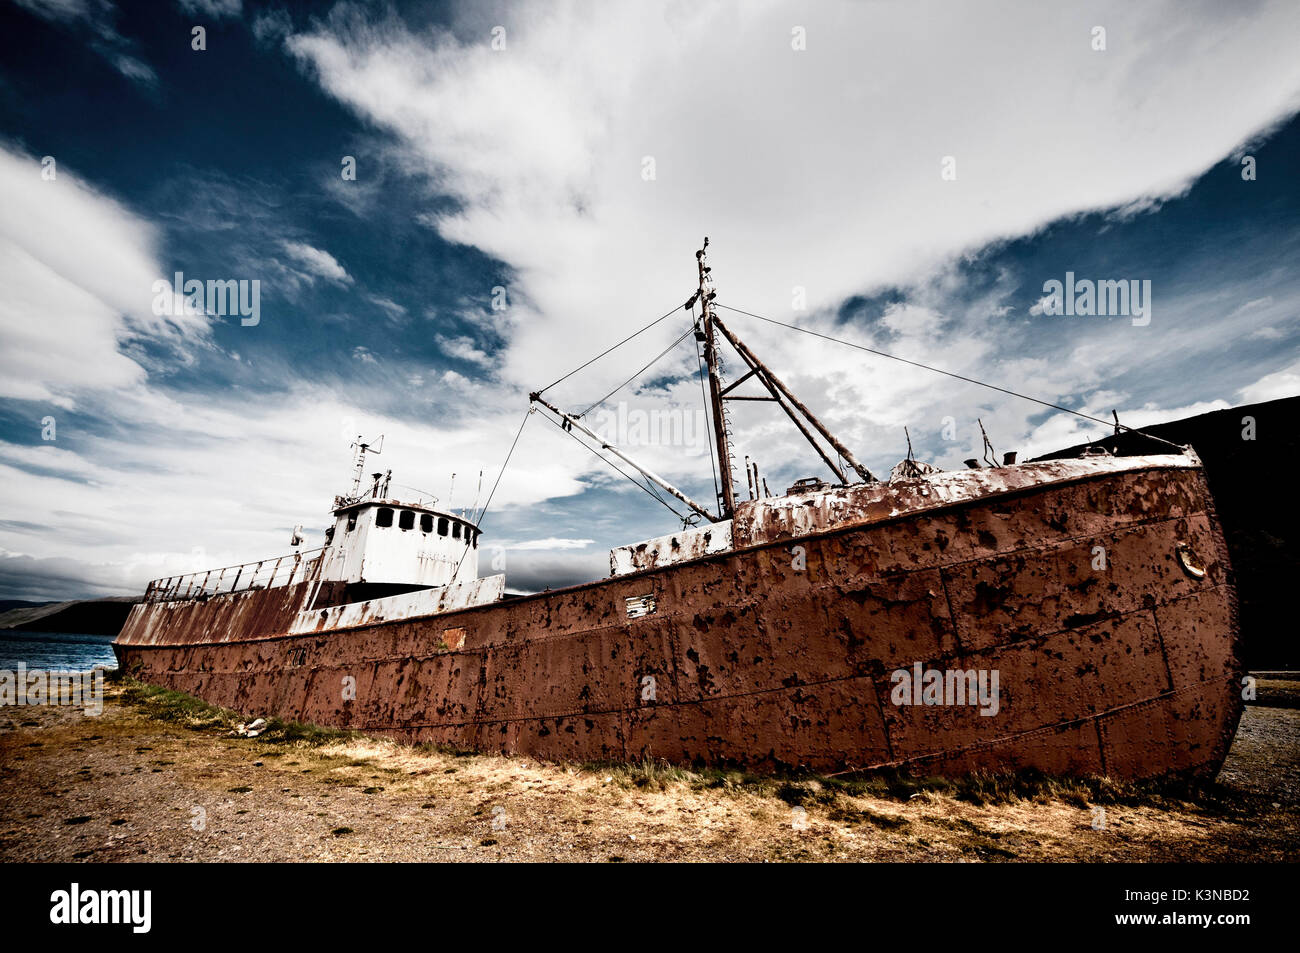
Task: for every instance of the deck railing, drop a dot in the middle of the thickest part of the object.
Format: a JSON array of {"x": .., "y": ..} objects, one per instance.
[{"x": 263, "y": 574}]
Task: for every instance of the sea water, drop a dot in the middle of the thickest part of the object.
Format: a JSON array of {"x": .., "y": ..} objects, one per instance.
[{"x": 55, "y": 651}]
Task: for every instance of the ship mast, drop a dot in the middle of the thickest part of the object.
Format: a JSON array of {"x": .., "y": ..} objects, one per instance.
[
  {"x": 707, "y": 330},
  {"x": 705, "y": 295}
]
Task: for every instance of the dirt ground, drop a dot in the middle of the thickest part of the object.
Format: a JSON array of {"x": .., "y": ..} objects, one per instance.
[{"x": 143, "y": 783}]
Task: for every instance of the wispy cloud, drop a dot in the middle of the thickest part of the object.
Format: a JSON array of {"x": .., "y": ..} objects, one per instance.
[
  {"x": 99, "y": 17},
  {"x": 212, "y": 8},
  {"x": 317, "y": 262},
  {"x": 390, "y": 307},
  {"x": 463, "y": 349}
]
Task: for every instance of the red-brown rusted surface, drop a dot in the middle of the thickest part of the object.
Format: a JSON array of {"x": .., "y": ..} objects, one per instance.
[{"x": 1131, "y": 671}]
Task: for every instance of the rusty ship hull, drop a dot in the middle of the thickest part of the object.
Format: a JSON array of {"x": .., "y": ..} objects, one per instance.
[{"x": 779, "y": 651}]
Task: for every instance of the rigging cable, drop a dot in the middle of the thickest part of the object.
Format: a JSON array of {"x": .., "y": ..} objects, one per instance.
[
  {"x": 478, "y": 517},
  {"x": 607, "y": 350},
  {"x": 643, "y": 483},
  {"x": 635, "y": 482},
  {"x": 406, "y": 486},
  {"x": 655, "y": 360},
  {"x": 509, "y": 453},
  {"x": 969, "y": 380}
]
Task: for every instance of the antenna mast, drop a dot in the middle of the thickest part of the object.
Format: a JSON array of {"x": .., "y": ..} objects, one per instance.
[{"x": 362, "y": 448}]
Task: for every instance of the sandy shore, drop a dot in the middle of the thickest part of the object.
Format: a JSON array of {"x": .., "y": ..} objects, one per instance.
[{"x": 131, "y": 785}]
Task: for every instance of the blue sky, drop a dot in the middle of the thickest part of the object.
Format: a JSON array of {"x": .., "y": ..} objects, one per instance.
[{"x": 516, "y": 172}]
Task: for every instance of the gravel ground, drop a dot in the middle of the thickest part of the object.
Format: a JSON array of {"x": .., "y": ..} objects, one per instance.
[
  {"x": 128, "y": 787},
  {"x": 1265, "y": 755}
]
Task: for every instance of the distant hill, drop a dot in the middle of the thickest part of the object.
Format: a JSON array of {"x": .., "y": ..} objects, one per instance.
[
  {"x": 7, "y": 604},
  {"x": 1251, "y": 483},
  {"x": 89, "y": 616}
]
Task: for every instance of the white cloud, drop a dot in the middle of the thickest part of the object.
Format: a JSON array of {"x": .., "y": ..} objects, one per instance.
[
  {"x": 1254, "y": 303},
  {"x": 1060, "y": 431},
  {"x": 549, "y": 543},
  {"x": 807, "y": 168},
  {"x": 271, "y": 26},
  {"x": 912, "y": 320},
  {"x": 78, "y": 271},
  {"x": 390, "y": 307},
  {"x": 318, "y": 262},
  {"x": 60, "y": 10},
  {"x": 1040, "y": 306},
  {"x": 134, "y": 69},
  {"x": 464, "y": 349},
  {"x": 1283, "y": 383}
]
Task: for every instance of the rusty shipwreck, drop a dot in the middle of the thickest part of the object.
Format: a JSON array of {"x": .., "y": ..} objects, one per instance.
[{"x": 768, "y": 632}]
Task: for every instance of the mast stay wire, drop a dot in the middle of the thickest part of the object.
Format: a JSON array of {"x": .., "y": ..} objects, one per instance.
[
  {"x": 689, "y": 331},
  {"x": 607, "y": 350},
  {"x": 937, "y": 370},
  {"x": 648, "y": 489},
  {"x": 478, "y": 517},
  {"x": 646, "y": 486}
]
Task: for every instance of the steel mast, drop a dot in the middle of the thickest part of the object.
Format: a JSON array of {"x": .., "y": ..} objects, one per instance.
[
  {"x": 798, "y": 412},
  {"x": 705, "y": 295}
]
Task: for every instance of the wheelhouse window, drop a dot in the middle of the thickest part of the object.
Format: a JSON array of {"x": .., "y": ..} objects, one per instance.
[
  {"x": 473, "y": 539},
  {"x": 352, "y": 521},
  {"x": 426, "y": 523},
  {"x": 406, "y": 519},
  {"x": 442, "y": 526},
  {"x": 455, "y": 530},
  {"x": 383, "y": 517}
]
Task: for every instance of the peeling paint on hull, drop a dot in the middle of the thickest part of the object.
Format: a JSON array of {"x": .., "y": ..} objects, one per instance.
[{"x": 1130, "y": 671}]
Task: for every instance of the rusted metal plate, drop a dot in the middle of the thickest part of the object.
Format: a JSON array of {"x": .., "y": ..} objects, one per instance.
[{"x": 674, "y": 548}]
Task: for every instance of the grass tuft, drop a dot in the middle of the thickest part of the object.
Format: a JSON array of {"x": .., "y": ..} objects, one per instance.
[{"x": 164, "y": 704}]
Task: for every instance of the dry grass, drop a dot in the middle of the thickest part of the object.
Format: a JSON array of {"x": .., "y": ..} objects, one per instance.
[{"x": 133, "y": 778}]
